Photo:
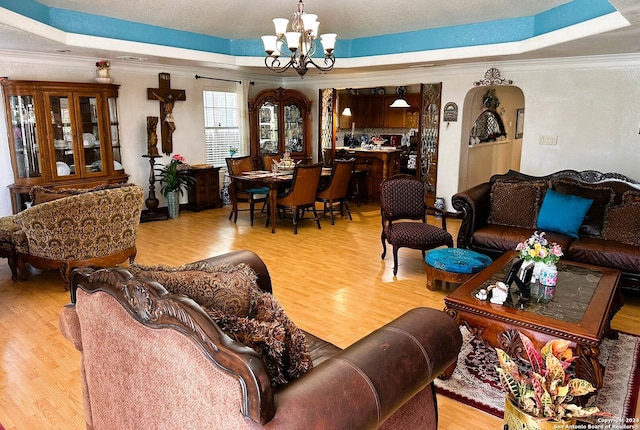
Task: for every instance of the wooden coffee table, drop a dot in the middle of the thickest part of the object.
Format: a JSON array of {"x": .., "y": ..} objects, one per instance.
[{"x": 586, "y": 299}]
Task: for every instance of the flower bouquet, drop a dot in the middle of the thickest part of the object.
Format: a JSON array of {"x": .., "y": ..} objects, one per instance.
[{"x": 539, "y": 250}]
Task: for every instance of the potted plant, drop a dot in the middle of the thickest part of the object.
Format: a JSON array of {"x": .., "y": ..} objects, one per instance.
[
  {"x": 540, "y": 392},
  {"x": 174, "y": 179}
]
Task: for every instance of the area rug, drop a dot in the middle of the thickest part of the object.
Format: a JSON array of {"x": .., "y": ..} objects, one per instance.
[{"x": 475, "y": 381}]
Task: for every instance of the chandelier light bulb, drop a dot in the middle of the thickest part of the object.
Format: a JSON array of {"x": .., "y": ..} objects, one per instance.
[
  {"x": 270, "y": 44},
  {"x": 281, "y": 26},
  {"x": 293, "y": 40},
  {"x": 328, "y": 42}
]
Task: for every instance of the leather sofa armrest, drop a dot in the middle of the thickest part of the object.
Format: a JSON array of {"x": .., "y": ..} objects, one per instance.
[
  {"x": 252, "y": 260},
  {"x": 474, "y": 204},
  {"x": 386, "y": 369}
]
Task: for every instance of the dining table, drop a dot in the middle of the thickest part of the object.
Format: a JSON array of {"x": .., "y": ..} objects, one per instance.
[{"x": 275, "y": 181}]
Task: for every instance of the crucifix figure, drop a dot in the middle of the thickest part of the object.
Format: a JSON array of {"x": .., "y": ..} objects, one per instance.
[{"x": 167, "y": 98}]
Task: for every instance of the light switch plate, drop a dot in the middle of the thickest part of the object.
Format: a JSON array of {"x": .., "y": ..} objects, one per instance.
[{"x": 548, "y": 140}]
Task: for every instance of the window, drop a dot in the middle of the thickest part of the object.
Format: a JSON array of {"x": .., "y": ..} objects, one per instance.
[{"x": 221, "y": 126}]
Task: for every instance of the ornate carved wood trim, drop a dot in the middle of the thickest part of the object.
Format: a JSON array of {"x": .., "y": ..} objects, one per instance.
[{"x": 150, "y": 304}]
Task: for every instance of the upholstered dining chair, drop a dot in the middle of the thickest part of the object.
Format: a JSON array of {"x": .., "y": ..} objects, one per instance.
[
  {"x": 404, "y": 213},
  {"x": 236, "y": 166},
  {"x": 337, "y": 189},
  {"x": 302, "y": 194}
]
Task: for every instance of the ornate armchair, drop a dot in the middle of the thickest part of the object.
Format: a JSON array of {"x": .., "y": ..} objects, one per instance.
[
  {"x": 153, "y": 359},
  {"x": 402, "y": 205},
  {"x": 97, "y": 228}
]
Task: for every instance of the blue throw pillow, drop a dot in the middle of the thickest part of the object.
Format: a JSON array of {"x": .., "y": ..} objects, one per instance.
[{"x": 562, "y": 213}]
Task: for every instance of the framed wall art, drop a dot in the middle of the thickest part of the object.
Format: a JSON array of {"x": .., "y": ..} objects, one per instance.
[{"x": 519, "y": 123}]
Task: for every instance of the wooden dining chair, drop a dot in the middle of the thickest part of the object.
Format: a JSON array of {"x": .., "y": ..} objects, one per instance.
[
  {"x": 337, "y": 189},
  {"x": 243, "y": 193},
  {"x": 302, "y": 194},
  {"x": 269, "y": 159}
]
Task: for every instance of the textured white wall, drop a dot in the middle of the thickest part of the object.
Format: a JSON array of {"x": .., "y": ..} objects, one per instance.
[{"x": 591, "y": 105}]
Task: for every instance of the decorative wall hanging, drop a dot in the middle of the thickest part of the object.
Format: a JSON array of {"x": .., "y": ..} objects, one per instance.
[
  {"x": 450, "y": 112},
  {"x": 519, "y": 123},
  {"x": 167, "y": 98},
  {"x": 492, "y": 77}
]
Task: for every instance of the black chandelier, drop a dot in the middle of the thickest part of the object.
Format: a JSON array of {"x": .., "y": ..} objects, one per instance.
[{"x": 301, "y": 43}]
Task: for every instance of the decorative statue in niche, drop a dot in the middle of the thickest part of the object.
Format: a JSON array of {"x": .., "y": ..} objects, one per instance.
[
  {"x": 152, "y": 137},
  {"x": 488, "y": 126}
]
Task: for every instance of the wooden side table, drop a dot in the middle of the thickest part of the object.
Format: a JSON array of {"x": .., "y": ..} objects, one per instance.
[{"x": 205, "y": 194}]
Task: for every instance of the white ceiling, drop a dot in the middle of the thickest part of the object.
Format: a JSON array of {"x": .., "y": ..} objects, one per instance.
[{"x": 246, "y": 19}]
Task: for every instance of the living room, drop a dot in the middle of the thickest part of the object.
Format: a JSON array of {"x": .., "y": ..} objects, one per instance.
[{"x": 589, "y": 103}]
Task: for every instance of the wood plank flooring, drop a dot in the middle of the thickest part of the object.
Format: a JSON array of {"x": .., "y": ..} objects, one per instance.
[{"x": 332, "y": 283}]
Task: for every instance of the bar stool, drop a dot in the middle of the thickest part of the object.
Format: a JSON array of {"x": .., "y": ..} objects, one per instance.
[{"x": 358, "y": 185}]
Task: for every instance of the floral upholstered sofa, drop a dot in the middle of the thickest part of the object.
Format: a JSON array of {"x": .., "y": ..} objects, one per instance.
[
  {"x": 65, "y": 229},
  {"x": 499, "y": 214},
  {"x": 207, "y": 346}
]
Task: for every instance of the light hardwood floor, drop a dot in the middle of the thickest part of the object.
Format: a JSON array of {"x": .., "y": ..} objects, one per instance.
[{"x": 332, "y": 283}]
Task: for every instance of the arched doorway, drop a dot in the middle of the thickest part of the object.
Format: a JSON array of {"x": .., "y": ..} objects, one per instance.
[{"x": 483, "y": 154}]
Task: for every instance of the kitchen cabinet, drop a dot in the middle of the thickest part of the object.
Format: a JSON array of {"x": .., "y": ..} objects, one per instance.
[
  {"x": 62, "y": 135},
  {"x": 280, "y": 121},
  {"x": 373, "y": 111},
  {"x": 205, "y": 194}
]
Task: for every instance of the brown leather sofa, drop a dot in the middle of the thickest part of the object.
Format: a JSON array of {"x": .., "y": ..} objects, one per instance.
[
  {"x": 609, "y": 235},
  {"x": 156, "y": 360}
]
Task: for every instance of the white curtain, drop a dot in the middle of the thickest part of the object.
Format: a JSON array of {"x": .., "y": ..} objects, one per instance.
[{"x": 243, "y": 103}]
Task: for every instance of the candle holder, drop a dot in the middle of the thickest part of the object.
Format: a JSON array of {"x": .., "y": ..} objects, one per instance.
[{"x": 152, "y": 202}]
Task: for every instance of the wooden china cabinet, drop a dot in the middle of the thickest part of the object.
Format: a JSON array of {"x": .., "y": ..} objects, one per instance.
[
  {"x": 61, "y": 135},
  {"x": 280, "y": 121}
]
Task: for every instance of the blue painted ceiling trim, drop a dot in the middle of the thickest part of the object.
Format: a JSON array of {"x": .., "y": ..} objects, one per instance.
[{"x": 477, "y": 34}]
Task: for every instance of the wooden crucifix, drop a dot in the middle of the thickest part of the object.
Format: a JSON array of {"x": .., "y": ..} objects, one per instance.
[{"x": 167, "y": 98}]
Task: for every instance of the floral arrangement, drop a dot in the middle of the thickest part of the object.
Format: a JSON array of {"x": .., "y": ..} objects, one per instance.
[
  {"x": 543, "y": 389},
  {"x": 103, "y": 64},
  {"x": 287, "y": 162},
  {"x": 174, "y": 177},
  {"x": 538, "y": 249}
]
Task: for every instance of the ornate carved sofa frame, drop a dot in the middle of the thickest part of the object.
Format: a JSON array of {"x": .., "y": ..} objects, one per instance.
[
  {"x": 613, "y": 215},
  {"x": 82, "y": 228}
]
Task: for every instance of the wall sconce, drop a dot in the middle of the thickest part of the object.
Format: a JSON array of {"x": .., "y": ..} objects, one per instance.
[{"x": 346, "y": 111}]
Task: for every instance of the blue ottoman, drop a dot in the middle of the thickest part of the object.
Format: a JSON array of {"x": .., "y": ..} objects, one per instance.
[{"x": 453, "y": 265}]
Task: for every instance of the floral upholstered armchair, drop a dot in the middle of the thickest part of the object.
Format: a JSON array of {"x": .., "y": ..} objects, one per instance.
[{"x": 96, "y": 228}]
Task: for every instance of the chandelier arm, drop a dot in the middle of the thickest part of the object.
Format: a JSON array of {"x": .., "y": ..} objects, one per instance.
[
  {"x": 275, "y": 64},
  {"x": 329, "y": 60}
]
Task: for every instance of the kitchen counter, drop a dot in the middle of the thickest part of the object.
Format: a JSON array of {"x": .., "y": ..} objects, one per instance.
[{"x": 382, "y": 163}]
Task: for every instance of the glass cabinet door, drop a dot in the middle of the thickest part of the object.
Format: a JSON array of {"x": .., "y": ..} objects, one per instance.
[
  {"x": 66, "y": 159},
  {"x": 114, "y": 124},
  {"x": 268, "y": 128},
  {"x": 92, "y": 142},
  {"x": 25, "y": 136},
  {"x": 293, "y": 129}
]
